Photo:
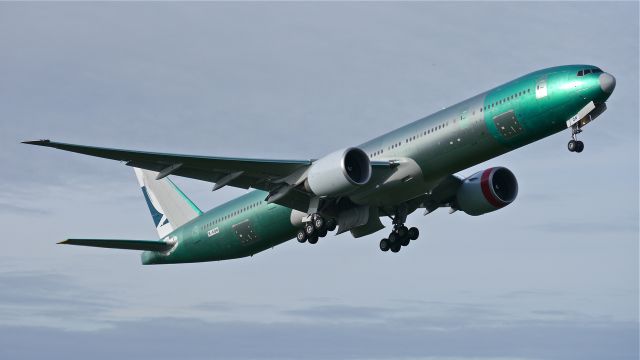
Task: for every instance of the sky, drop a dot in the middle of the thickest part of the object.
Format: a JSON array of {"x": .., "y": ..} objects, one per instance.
[{"x": 552, "y": 276}]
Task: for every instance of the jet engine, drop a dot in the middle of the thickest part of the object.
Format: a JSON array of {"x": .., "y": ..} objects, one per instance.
[
  {"x": 339, "y": 173},
  {"x": 487, "y": 191}
]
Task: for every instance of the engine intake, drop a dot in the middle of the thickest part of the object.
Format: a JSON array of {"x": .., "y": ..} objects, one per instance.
[
  {"x": 487, "y": 191},
  {"x": 339, "y": 173}
]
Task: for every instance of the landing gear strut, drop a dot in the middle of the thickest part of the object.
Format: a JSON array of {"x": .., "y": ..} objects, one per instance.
[
  {"x": 574, "y": 144},
  {"x": 400, "y": 235},
  {"x": 317, "y": 228}
]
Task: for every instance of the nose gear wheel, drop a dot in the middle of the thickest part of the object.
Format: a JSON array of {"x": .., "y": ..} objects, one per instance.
[{"x": 574, "y": 144}]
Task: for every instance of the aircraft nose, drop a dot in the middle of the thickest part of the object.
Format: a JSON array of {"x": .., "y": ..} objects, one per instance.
[{"x": 607, "y": 82}]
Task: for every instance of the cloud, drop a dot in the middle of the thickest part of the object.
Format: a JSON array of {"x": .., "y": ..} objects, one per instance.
[
  {"x": 28, "y": 210},
  {"x": 338, "y": 312},
  {"x": 521, "y": 294},
  {"x": 622, "y": 225},
  {"x": 71, "y": 321},
  {"x": 196, "y": 339},
  {"x": 50, "y": 300}
]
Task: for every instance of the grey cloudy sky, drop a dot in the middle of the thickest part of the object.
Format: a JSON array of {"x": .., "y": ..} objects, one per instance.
[{"x": 553, "y": 276}]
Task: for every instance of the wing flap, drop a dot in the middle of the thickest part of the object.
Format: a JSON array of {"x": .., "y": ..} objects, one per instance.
[{"x": 149, "y": 245}]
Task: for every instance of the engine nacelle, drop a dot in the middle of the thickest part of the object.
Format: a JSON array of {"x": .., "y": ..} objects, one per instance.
[
  {"x": 339, "y": 173},
  {"x": 487, "y": 191}
]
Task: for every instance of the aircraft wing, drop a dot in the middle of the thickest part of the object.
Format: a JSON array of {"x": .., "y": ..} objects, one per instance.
[
  {"x": 278, "y": 177},
  {"x": 242, "y": 173},
  {"x": 213, "y": 169}
]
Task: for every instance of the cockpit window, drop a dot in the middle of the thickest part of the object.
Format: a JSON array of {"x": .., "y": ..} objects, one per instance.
[{"x": 589, "y": 71}]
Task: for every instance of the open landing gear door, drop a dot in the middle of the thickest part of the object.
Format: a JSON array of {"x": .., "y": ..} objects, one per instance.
[{"x": 586, "y": 115}]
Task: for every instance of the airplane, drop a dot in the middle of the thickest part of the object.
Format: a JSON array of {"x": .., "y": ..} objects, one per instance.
[{"x": 393, "y": 175}]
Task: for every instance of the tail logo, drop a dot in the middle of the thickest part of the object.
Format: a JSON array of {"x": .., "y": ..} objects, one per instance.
[{"x": 159, "y": 219}]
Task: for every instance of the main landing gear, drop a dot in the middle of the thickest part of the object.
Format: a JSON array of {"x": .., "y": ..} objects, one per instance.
[
  {"x": 317, "y": 228},
  {"x": 574, "y": 144},
  {"x": 400, "y": 235}
]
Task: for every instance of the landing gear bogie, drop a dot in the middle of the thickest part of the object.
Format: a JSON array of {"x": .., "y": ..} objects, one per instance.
[
  {"x": 400, "y": 235},
  {"x": 317, "y": 227}
]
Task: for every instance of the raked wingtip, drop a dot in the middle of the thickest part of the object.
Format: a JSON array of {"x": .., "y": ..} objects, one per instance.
[{"x": 42, "y": 142}]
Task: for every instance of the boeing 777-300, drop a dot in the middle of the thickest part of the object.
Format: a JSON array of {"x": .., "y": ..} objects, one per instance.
[{"x": 393, "y": 175}]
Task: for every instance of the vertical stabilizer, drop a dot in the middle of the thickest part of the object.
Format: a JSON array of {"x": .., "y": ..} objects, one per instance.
[{"x": 170, "y": 208}]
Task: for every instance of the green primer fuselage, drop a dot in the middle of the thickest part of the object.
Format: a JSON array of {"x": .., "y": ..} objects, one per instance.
[
  {"x": 482, "y": 127},
  {"x": 242, "y": 227}
]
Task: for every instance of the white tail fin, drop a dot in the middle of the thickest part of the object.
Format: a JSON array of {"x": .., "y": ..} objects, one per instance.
[{"x": 170, "y": 208}]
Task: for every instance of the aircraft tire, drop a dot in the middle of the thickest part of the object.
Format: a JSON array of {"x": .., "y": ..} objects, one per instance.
[
  {"x": 579, "y": 146},
  {"x": 309, "y": 229},
  {"x": 313, "y": 239},
  {"x": 572, "y": 145},
  {"x": 402, "y": 231},
  {"x": 405, "y": 241},
  {"x": 301, "y": 236},
  {"x": 384, "y": 244},
  {"x": 393, "y": 238},
  {"x": 414, "y": 233},
  {"x": 396, "y": 248},
  {"x": 322, "y": 232},
  {"x": 318, "y": 222}
]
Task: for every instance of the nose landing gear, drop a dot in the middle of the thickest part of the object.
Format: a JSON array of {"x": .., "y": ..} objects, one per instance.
[{"x": 574, "y": 144}]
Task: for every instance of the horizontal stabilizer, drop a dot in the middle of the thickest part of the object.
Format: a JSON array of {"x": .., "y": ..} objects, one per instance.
[{"x": 149, "y": 245}]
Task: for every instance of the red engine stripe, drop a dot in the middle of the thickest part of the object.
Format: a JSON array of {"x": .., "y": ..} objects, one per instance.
[{"x": 486, "y": 189}]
